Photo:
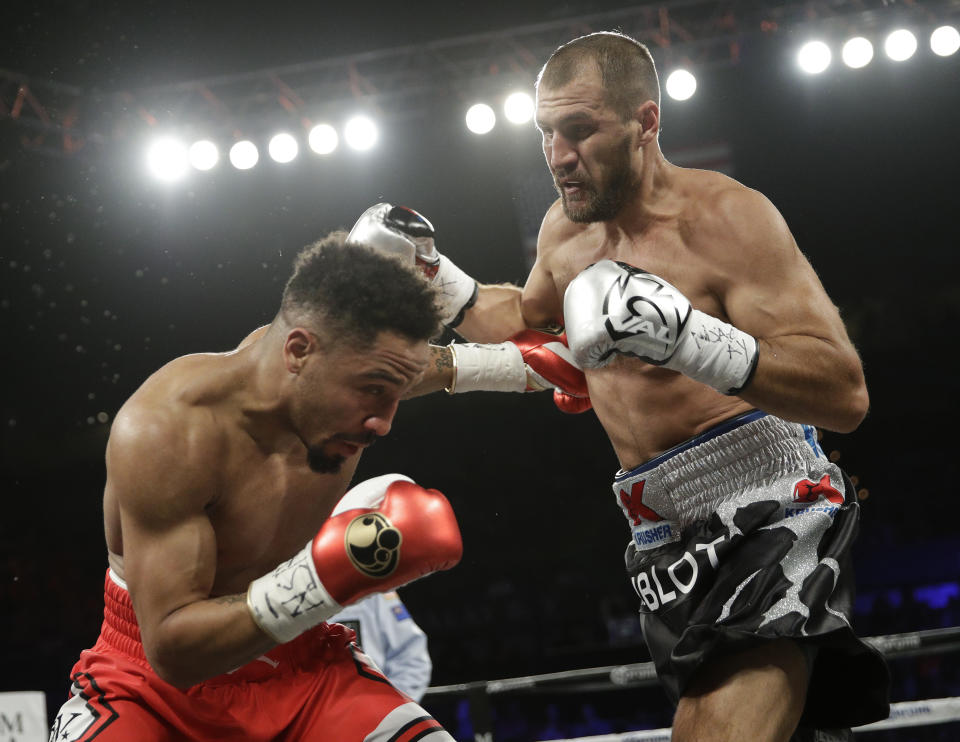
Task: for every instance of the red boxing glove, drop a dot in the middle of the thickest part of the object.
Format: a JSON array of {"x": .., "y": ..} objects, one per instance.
[
  {"x": 570, "y": 403},
  {"x": 384, "y": 533},
  {"x": 550, "y": 364},
  {"x": 530, "y": 361},
  {"x": 371, "y": 548}
]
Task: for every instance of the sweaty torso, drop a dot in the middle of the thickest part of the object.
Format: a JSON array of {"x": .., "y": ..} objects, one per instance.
[
  {"x": 644, "y": 409},
  {"x": 266, "y": 504}
]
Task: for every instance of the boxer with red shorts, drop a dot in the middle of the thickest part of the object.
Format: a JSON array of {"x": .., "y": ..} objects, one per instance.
[
  {"x": 317, "y": 686},
  {"x": 231, "y": 541}
]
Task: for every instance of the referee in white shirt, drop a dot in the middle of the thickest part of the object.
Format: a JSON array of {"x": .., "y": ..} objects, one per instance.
[{"x": 391, "y": 638}]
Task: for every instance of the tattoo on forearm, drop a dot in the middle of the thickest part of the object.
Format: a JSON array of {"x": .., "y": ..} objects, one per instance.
[{"x": 443, "y": 358}]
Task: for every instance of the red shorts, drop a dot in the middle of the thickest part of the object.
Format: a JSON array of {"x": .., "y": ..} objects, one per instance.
[{"x": 319, "y": 686}]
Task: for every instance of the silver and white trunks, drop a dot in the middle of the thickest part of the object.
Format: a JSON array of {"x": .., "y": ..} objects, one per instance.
[{"x": 741, "y": 535}]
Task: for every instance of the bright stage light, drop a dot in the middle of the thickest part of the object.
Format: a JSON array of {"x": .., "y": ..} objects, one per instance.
[
  {"x": 167, "y": 159},
  {"x": 945, "y": 41},
  {"x": 361, "y": 133},
  {"x": 681, "y": 84},
  {"x": 814, "y": 57},
  {"x": 244, "y": 155},
  {"x": 518, "y": 108},
  {"x": 203, "y": 154},
  {"x": 857, "y": 52},
  {"x": 323, "y": 139},
  {"x": 900, "y": 45},
  {"x": 283, "y": 147},
  {"x": 480, "y": 118}
]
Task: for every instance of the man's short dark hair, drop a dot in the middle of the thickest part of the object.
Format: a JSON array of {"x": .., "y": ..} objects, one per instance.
[
  {"x": 352, "y": 293},
  {"x": 626, "y": 68}
]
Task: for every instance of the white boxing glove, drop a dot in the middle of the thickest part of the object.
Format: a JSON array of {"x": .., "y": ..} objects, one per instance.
[
  {"x": 401, "y": 231},
  {"x": 613, "y": 308}
]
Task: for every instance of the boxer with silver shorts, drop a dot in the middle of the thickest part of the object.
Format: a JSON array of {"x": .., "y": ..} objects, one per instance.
[
  {"x": 687, "y": 305},
  {"x": 743, "y": 535}
]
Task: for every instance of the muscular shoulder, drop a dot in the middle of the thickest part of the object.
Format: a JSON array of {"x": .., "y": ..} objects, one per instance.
[
  {"x": 556, "y": 229},
  {"x": 165, "y": 433},
  {"x": 730, "y": 222}
]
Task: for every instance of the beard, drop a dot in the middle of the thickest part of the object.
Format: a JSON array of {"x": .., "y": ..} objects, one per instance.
[
  {"x": 604, "y": 201},
  {"x": 322, "y": 462}
]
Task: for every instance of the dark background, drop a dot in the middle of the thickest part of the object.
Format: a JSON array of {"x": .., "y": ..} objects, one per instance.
[{"x": 107, "y": 274}]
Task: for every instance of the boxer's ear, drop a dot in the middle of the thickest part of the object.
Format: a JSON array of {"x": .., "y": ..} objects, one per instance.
[
  {"x": 300, "y": 343},
  {"x": 647, "y": 115}
]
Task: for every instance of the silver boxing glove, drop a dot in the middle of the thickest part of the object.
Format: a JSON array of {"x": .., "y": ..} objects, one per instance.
[
  {"x": 613, "y": 308},
  {"x": 401, "y": 231}
]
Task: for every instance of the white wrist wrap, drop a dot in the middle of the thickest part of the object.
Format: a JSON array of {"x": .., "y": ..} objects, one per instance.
[
  {"x": 457, "y": 290},
  {"x": 290, "y": 599},
  {"x": 490, "y": 368},
  {"x": 715, "y": 353}
]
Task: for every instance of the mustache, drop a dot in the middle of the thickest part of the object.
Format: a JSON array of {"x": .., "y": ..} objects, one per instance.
[{"x": 367, "y": 439}]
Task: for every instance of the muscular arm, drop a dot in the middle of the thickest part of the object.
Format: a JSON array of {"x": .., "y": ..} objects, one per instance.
[
  {"x": 808, "y": 370},
  {"x": 161, "y": 467},
  {"x": 503, "y": 310},
  {"x": 495, "y": 316},
  {"x": 439, "y": 373}
]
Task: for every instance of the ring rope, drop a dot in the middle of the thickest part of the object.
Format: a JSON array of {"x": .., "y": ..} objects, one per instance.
[
  {"x": 903, "y": 714},
  {"x": 910, "y": 644}
]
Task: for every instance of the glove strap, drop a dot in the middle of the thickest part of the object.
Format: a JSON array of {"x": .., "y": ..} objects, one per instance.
[
  {"x": 290, "y": 599},
  {"x": 458, "y": 291},
  {"x": 490, "y": 368},
  {"x": 715, "y": 353}
]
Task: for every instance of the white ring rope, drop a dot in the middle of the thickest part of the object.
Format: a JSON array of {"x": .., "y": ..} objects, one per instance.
[
  {"x": 643, "y": 673},
  {"x": 903, "y": 714}
]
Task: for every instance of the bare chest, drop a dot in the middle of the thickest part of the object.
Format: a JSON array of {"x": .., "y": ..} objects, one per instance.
[
  {"x": 662, "y": 250},
  {"x": 646, "y": 409},
  {"x": 269, "y": 508}
]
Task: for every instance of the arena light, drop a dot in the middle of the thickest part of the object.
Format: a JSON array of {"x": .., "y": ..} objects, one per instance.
[
  {"x": 480, "y": 118},
  {"x": 814, "y": 57},
  {"x": 361, "y": 133},
  {"x": 945, "y": 41},
  {"x": 203, "y": 155},
  {"x": 167, "y": 159},
  {"x": 681, "y": 84},
  {"x": 857, "y": 52},
  {"x": 518, "y": 108},
  {"x": 283, "y": 147},
  {"x": 900, "y": 45},
  {"x": 244, "y": 155},
  {"x": 323, "y": 139}
]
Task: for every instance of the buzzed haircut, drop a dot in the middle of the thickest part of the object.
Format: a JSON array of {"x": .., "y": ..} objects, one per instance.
[
  {"x": 351, "y": 293},
  {"x": 626, "y": 68}
]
